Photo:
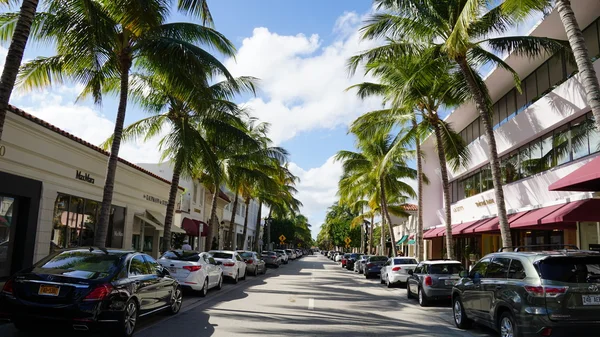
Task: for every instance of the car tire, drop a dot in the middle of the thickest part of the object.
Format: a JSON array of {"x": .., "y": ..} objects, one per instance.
[
  {"x": 255, "y": 273},
  {"x": 408, "y": 293},
  {"x": 460, "y": 316},
  {"x": 388, "y": 283},
  {"x": 220, "y": 284},
  {"x": 381, "y": 280},
  {"x": 507, "y": 324},
  {"x": 23, "y": 326},
  {"x": 236, "y": 278},
  {"x": 204, "y": 290},
  {"x": 243, "y": 278},
  {"x": 128, "y": 322},
  {"x": 177, "y": 299},
  {"x": 422, "y": 297},
  {"x": 367, "y": 275}
]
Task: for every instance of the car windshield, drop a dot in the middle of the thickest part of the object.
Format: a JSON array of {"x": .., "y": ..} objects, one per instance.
[
  {"x": 181, "y": 255},
  {"x": 378, "y": 258},
  {"x": 246, "y": 254},
  {"x": 346, "y": 255},
  {"x": 221, "y": 255},
  {"x": 571, "y": 269},
  {"x": 405, "y": 261},
  {"x": 81, "y": 264},
  {"x": 446, "y": 269}
]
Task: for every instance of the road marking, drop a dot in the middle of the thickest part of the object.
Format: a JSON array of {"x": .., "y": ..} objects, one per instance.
[{"x": 311, "y": 304}]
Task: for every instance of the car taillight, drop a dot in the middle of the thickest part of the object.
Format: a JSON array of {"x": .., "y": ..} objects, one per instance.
[
  {"x": 99, "y": 293},
  {"x": 369, "y": 265},
  {"x": 546, "y": 291},
  {"x": 396, "y": 268},
  {"x": 8, "y": 287},
  {"x": 192, "y": 268},
  {"x": 250, "y": 261},
  {"x": 228, "y": 264},
  {"x": 428, "y": 281}
]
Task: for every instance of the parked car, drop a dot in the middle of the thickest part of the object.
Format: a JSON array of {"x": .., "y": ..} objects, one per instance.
[
  {"x": 271, "y": 259},
  {"x": 359, "y": 266},
  {"x": 254, "y": 264},
  {"x": 232, "y": 264},
  {"x": 338, "y": 257},
  {"x": 396, "y": 270},
  {"x": 433, "y": 280},
  {"x": 285, "y": 258},
  {"x": 344, "y": 259},
  {"x": 194, "y": 270},
  {"x": 351, "y": 260},
  {"x": 549, "y": 293},
  {"x": 291, "y": 253},
  {"x": 373, "y": 265},
  {"x": 87, "y": 289}
]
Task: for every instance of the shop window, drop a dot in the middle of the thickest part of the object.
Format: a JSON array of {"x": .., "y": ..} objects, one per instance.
[
  {"x": 496, "y": 115},
  {"x": 486, "y": 178},
  {"x": 521, "y": 98},
  {"x": 511, "y": 168},
  {"x": 536, "y": 162},
  {"x": 594, "y": 135},
  {"x": 195, "y": 193},
  {"x": 590, "y": 35},
  {"x": 548, "y": 160},
  {"x": 477, "y": 183},
  {"x": 135, "y": 241},
  {"x": 562, "y": 145},
  {"x": 556, "y": 70},
  {"x": 579, "y": 137},
  {"x": 531, "y": 87},
  {"x": 469, "y": 133},
  {"x": 511, "y": 104},
  {"x": 525, "y": 161},
  {"x": 502, "y": 111},
  {"x": 7, "y": 234},
  {"x": 543, "y": 79}
]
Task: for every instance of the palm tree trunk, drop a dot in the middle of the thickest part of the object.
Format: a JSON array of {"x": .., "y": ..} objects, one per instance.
[
  {"x": 419, "y": 234},
  {"x": 245, "y": 232},
  {"x": 171, "y": 205},
  {"x": 232, "y": 225},
  {"x": 582, "y": 57},
  {"x": 371, "y": 233},
  {"x": 389, "y": 219},
  {"x": 213, "y": 219},
  {"x": 15, "y": 56},
  {"x": 444, "y": 170},
  {"x": 257, "y": 234},
  {"x": 484, "y": 112},
  {"x": 268, "y": 226},
  {"x": 111, "y": 170}
]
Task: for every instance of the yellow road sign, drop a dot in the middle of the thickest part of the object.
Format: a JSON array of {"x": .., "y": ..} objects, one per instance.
[
  {"x": 347, "y": 241},
  {"x": 282, "y": 238}
]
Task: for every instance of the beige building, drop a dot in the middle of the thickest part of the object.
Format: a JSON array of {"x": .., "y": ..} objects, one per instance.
[{"x": 51, "y": 185}]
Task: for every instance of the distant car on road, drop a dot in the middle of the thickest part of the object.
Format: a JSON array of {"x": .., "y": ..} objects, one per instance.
[
  {"x": 433, "y": 280},
  {"x": 351, "y": 260},
  {"x": 291, "y": 253},
  {"x": 396, "y": 270},
  {"x": 271, "y": 259},
  {"x": 373, "y": 265},
  {"x": 254, "y": 264},
  {"x": 284, "y": 256},
  {"x": 359, "y": 266},
  {"x": 194, "y": 270},
  {"x": 345, "y": 258},
  {"x": 338, "y": 257},
  {"x": 232, "y": 264}
]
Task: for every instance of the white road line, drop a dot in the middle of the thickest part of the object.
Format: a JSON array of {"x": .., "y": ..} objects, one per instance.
[{"x": 311, "y": 304}]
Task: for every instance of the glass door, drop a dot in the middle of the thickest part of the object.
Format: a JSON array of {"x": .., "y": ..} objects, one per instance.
[{"x": 8, "y": 212}]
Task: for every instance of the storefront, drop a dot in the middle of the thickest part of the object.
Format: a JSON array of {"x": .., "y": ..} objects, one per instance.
[{"x": 51, "y": 189}]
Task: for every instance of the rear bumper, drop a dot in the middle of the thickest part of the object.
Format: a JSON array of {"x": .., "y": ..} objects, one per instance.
[
  {"x": 532, "y": 325},
  {"x": 438, "y": 293},
  {"x": 396, "y": 278}
]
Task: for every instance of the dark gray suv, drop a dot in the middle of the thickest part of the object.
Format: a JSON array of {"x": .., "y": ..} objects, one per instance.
[{"x": 544, "y": 293}]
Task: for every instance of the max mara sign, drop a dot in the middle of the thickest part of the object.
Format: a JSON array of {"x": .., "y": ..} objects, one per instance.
[{"x": 83, "y": 176}]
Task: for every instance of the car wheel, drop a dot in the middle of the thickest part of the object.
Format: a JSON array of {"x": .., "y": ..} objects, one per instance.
[
  {"x": 220, "y": 284},
  {"x": 177, "y": 299},
  {"x": 423, "y": 300},
  {"x": 128, "y": 322},
  {"x": 204, "y": 290},
  {"x": 381, "y": 280},
  {"x": 388, "y": 283},
  {"x": 23, "y": 326},
  {"x": 366, "y": 275},
  {"x": 243, "y": 278},
  {"x": 460, "y": 317},
  {"x": 408, "y": 293},
  {"x": 507, "y": 325},
  {"x": 235, "y": 278}
]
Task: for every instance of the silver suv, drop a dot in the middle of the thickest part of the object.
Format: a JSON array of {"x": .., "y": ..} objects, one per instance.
[{"x": 532, "y": 293}]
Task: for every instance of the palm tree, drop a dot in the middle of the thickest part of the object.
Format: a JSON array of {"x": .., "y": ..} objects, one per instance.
[
  {"x": 205, "y": 110},
  {"x": 15, "y": 54},
  {"x": 404, "y": 82},
  {"x": 111, "y": 39},
  {"x": 384, "y": 163},
  {"x": 456, "y": 31}
]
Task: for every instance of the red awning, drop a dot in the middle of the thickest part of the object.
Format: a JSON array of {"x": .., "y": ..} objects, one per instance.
[
  {"x": 493, "y": 225},
  {"x": 191, "y": 226},
  {"x": 412, "y": 236},
  {"x": 585, "y": 178},
  {"x": 533, "y": 217},
  {"x": 463, "y": 228},
  {"x": 581, "y": 210},
  {"x": 432, "y": 232}
]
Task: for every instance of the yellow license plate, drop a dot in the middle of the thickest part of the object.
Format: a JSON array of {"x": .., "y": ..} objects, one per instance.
[{"x": 49, "y": 290}]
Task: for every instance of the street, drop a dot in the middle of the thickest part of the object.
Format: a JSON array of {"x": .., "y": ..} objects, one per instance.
[{"x": 312, "y": 296}]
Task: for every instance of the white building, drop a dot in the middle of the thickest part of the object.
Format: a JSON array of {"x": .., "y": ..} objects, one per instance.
[
  {"x": 51, "y": 185},
  {"x": 239, "y": 222},
  {"x": 542, "y": 134}
]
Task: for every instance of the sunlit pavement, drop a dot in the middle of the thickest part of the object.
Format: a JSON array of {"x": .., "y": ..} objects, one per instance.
[{"x": 309, "y": 297}]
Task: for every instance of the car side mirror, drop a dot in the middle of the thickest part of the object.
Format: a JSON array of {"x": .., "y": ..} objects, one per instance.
[
  {"x": 164, "y": 272},
  {"x": 463, "y": 274},
  {"x": 411, "y": 272}
]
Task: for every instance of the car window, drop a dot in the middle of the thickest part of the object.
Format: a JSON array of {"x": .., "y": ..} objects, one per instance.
[
  {"x": 378, "y": 258},
  {"x": 405, "y": 261},
  {"x": 237, "y": 257},
  {"x": 153, "y": 266},
  {"x": 418, "y": 269},
  {"x": 498, "y": 268},
  {"x": 479, "y": 268},
  {"x": 445, "y": 269},
  {"x": 211, "y": 260},
  {"x": 424, "y": 269},
  {"x": 220, "y": 255},
  {"x": 138, "y": 266},
  {"x": 571, "y": 269},
  {"x": 180, "y": 255},
  {"x": 516, "y": 270},
  {"x": 247, "y": 254},
  {"x": 81, "y": 264}
]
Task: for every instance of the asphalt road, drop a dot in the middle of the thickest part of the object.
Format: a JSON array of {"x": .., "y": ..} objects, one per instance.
[{"x": 312, "y": 296}]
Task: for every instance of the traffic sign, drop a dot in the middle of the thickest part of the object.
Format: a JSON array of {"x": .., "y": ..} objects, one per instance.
[
  {"x": 282, "y": 238},
  {"x": 347, "y": 241}
]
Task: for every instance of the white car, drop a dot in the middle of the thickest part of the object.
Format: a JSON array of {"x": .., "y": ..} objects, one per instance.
[
  {"x": 291, "y": 253},
  {"x": 338, "y": 257},
  {"x": 284, "y": 255},
  {"x": 195, "y": 270},
  {"x": 395, "y": 270},
  {"x": 231, "y": 262}
]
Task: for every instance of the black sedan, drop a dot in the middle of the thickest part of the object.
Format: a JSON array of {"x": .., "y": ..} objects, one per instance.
[
  {"x": 373, "y": 265},
  {"x": 351, "y": 260},
  {"x": 84, "y": 289}
]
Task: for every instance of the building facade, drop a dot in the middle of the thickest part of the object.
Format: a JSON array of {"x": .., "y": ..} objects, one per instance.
[
  {"x": 240, "y": 216},
  {"x": 543, "y": 133},
  {"x": 51, "y": 185}
]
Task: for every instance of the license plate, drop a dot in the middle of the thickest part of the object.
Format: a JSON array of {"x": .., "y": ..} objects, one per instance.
[
  {"x": 49, "y": 290},
  {"x": 590, "y": 299},
  {"x": 450, "y": 282},
  {"x": 172, "y": 270}
]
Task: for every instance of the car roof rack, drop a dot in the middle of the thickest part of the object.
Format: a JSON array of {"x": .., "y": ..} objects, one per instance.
[{"x": 518, "y": 248}]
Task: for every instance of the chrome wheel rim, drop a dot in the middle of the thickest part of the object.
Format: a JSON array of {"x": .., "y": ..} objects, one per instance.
[
  {"x": 420, "y": 296},
  {"x": 457, "y": 312},
  {"x": 176, "y": 300},
  {"x": 130, "y": 318},
  {"x": 506, "y": 327}
]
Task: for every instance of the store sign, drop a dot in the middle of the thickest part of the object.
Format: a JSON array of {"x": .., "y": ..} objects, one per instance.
[
  {"x": 485, "y": 202},
  {"x": 155, "y": 200},
  {"x": 84, "y": 177},
  {"x": 458, "y": 209},
  {"x": 2, "y": 150}
]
